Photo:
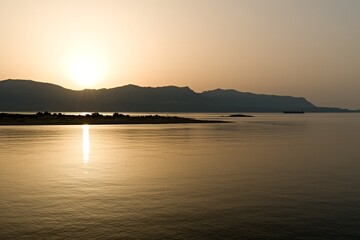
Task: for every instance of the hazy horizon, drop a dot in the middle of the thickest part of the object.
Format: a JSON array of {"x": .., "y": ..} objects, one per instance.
[{"x": 299, "y": 48}]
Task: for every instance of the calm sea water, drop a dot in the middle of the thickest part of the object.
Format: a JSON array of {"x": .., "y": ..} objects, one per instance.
[{"x": 273, "y": 176}]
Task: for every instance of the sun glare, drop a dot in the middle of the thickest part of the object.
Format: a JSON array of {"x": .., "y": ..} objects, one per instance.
[
  {"x": 85, "y": 70},
  {"x": 86, "y": 144}
]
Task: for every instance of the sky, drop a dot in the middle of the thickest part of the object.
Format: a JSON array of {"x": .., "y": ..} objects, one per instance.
[{"x": 308, "y": 48}]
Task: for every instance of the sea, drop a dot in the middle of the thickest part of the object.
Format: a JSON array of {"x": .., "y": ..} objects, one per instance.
[{"x": 271, "y": 176}]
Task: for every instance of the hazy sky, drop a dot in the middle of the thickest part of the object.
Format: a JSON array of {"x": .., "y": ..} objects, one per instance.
[{"x": 307, "y": 48}]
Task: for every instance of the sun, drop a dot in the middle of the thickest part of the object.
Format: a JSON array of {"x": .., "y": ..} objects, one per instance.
[{"x": 85, "y": 70}]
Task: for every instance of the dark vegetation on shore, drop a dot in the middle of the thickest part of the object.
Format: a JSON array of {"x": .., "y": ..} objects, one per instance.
[{"x": 47, "y": 118}]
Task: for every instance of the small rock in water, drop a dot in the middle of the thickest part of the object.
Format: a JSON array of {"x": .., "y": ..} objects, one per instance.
[{"x": 240, "y": 115}]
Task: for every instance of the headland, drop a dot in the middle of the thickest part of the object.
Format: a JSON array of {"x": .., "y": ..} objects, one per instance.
[{"x": 46, "y": 118}]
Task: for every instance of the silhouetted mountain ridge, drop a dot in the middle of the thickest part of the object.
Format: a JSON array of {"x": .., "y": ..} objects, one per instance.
[{"x": 28, "y": 95}]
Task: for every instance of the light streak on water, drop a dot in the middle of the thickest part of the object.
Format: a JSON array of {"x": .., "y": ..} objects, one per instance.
[{"x": 86, "y": 144}]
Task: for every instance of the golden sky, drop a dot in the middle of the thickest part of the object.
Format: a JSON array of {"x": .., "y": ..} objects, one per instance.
[{"x": 307, "y": 48}]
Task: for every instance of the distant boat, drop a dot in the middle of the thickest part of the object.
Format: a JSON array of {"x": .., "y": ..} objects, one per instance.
[{"x": 298, "y": 112}]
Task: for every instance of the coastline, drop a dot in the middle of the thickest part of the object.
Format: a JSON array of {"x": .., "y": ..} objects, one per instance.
[{"x": 46, "y": 118}]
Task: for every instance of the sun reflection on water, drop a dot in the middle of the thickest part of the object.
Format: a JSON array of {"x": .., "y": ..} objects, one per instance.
[{"x": 86, "y": 144}]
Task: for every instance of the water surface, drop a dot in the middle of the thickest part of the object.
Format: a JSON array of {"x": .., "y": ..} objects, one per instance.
[{"x": 273, "y": 176}]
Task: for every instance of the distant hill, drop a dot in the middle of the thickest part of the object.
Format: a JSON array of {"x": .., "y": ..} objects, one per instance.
[{"x": 26, "y": 95}]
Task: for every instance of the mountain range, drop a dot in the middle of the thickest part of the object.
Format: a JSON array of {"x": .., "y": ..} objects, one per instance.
[{"x": 27, "y": 95}]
